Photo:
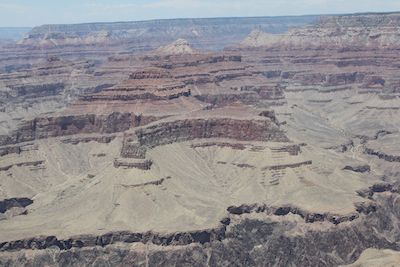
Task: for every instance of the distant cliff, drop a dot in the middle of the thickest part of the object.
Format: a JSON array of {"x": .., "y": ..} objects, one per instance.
[
  {"x": 346, "y": 32},
  {"x": 212, "y": 33}
]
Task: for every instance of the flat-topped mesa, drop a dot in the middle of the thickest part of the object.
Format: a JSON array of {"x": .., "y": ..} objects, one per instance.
[
  {"x": 52, "y": 39},
  {"x": 158, "y": 134},
  {"x": 179, "y": 47},
  {"x": 146, "y": 84},
  {"x": 348, "y": 32},
  {"x": 176, "y": 75},
  {"x": 219, "y": 78}
]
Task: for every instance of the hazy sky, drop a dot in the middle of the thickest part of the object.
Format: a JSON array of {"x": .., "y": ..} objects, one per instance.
[{"x": 37, "y": 12}]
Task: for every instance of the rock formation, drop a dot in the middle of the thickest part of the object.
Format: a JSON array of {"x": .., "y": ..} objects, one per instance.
[
  {"x": 214, "y": 33},
  {"x": 269, "y": 153},
  {"x": 349, "y": 32},
  {"x": 179, "y": 47}
]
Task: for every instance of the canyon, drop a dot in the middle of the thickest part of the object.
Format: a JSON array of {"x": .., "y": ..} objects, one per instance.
[{"x": 202, "y": 142}]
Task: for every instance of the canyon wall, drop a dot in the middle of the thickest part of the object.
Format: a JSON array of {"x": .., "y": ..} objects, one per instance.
[
  {"x": 213, "y": 33},
  {"x": 279, "y": 151}
]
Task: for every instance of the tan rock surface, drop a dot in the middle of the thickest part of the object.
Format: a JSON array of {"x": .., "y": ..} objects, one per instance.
[
  {"x": 260, "y": 153},
  {"x": 374, "y": 257}
]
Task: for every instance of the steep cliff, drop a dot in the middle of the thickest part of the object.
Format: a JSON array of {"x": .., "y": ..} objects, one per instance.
[{"x": 349, "y": 32}]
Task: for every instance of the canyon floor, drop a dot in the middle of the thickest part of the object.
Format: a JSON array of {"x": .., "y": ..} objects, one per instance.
[{"x": 282, "y": 149}]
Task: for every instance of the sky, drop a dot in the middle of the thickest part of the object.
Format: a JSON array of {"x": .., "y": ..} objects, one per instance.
[{"x": 20, "y": 13}]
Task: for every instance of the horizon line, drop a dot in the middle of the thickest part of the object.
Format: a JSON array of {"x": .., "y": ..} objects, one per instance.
[{"x": 203, "y": 18}]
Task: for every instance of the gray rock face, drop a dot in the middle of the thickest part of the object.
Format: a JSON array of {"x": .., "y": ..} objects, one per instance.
[
  {"x": 382, "y": 155},
  {"x": 361, "y": 168},
  {"x": 245, "y": 242},
  {"x": 7, "y": 204}
]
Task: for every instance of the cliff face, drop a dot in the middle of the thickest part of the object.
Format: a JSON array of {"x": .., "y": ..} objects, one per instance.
[
  {"x": 239, "y": 241},
  {"x": 352, "y": 32},
  {"x": 211, "y": 33},
  {"x": 209, "y": 128},
  {"x": 270, "y": 153},
  {"x": 42, "y": 128},
  {"x": 191, "y": 129}
]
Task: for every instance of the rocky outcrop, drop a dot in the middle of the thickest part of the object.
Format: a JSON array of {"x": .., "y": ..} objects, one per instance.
[
  {"x": 184, "y": 130},
  {"x": 251, "y": 94},
  {"x": 181, "y": 92},
  {"x": 382, "y": 155},
  {"x": 35, "y": 91},
  {"x": 176, "y": 239},
  {"x": 153, "y": 183},
  {"x": 219, "y": 100},
  {"x": 285, "y": 166},
  {"x": 309, "y": 217},
  {"x": 361, "y": 168},
  {"x": 150, "y": 73},
  {"x": 7, "y": 204},
  {"x": 269, "y": 114},
  {"x": 244, "y": 165},
  {"x": 75, "y": 124},
  {"x": 22, "y": 164},
  {"x": 10, "y": 150},
  {"x": 193, "y": 61},
  {"x": 17, "y": 149},
  {"x": 132, "y": 149},
  {"x": 380, "y": 188},
  {"x": 99, "y": 139},
  {"x": 346, "y": 33},
  {"x": 337, "y": 79},
  {"x": 293, "y": 150},
  {"x": 247, "y": 241},
  {"x": 141, "y": 164},
  {"x": 148, "y": 84},
  {"x": 220, "y": 144}
]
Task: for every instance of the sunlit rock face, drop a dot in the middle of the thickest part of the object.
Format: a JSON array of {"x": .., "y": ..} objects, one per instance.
[
  {"x": 349, "y": 32},
  {"x": 268, "y": 153}
]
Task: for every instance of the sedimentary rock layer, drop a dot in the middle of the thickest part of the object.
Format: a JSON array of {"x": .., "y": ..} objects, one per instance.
[
  {"x": 270, "y": 153},
  {"x": 190, "y": 129},
  {"x": 210, "y": 33},
  {"x": 246, "y": 241},
  {"x": 69, "y": 125}
]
